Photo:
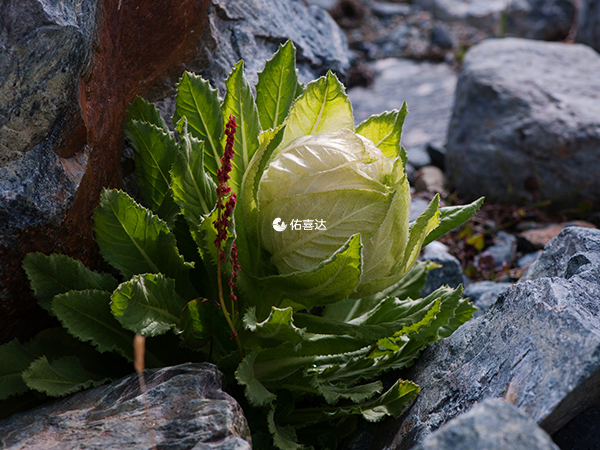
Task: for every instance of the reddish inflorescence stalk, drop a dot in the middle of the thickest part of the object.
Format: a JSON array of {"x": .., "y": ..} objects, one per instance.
[{"x": 226, "y": 201}]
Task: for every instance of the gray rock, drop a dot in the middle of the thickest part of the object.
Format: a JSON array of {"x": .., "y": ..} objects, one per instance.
[
  {"x": 450, "y": 272},
  {"x": 493, "y": 424},
  {"x": 504, "y": 249},
  {"x": 45, "y": 47},
  {"x": 429, "y": 92},
  {"x": 484, "y": 293},
  {"x": 532, "y": 19},
  {"x": 253, "y": 29},
  {"x": 528, "y": 259},
  {"x": 588, "y": 30},
  {"x": 538, "y": 347},
  {"x": 184, "y": 405},
  {"x": 520, "y": 133},
  {"x": 417, "y": 206},
  {"x": 441, "y": 37},
  {"x": 384, "y": 9},
  {"x": 571, "y": 251}
]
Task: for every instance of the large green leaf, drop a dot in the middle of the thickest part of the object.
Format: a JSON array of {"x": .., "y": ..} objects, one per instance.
[
  {"x": 156, "y": 151},
  {"x": 279, "y": 326},
  {"x": 256, "y": 393},
  {"x": 148, "y": 304},
  {"x": 57, "y": 274},
  {"x": 331, "y": 281},
  {"x": 451, "y": 217},
  {"x": 277, "y": 85},
  {"x": 239, "y": 102},
  {"x": 323, "y": 107},
  {"x": 246, "y": 211},
  {"x": 14, "y": 359},
  {"x": 200, "y": 105},
  {"x": 135, "y": 241},
  {"x": 87, "y": 316},
  {"x": 59, "y": 377},
  {"x": 194, "y": 191},
  {"x": 144, "y": 111},
  {"x": 385, "y": 130}
]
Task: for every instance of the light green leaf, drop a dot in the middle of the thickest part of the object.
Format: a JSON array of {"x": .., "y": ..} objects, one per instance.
[
  {"x": 452, "y": 217},
  {"x": 200, "y": 105},
  {"x": 87, "y": 316},
  {"x": 148, "y": 304},
  {"x": 60, "y": 377},
  {"x": 135, "y": 241},
  {"x": 57, "y": 274},
  {"x": 256, "y": 393},
  {"x": 323, "y": 107},
  {"x": 145, "y": 111},
  {"x": 385, "y": 130},
  {"x": 427, "y": 221},
  {"x": 239, "y": 102},
  {"x": 331, "y": 281},
  {"x": 194, "y": 191},
  {"x": 277, "y": 85},
  {"x": 14, "y": 359},
  {"x": 156, "y": 151},
  {"x": 278, "y": 326}
]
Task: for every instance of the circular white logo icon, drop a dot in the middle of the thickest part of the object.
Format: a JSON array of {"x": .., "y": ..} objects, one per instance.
[{"x": 279, "y": 225}]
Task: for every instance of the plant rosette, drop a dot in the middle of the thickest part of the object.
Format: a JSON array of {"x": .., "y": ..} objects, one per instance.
[{"x": 273, "y": 241}]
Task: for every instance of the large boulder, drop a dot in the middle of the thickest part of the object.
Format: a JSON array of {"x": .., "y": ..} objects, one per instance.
[
  {"x": 531, "y": 19},
  {"x": 68, "y": 72},
  {"x": 525, "y": 123},
  {"x": 538, "y": 347},
  {"x": 183, "y": 407},
  {"x": 588, "y": 30}
]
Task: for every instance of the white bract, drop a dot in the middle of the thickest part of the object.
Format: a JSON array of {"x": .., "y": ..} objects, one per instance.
[{"x": 343, "y": 179}]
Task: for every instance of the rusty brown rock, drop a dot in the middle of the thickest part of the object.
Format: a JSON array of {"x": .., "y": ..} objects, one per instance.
[{"x": 136, "y": 46}]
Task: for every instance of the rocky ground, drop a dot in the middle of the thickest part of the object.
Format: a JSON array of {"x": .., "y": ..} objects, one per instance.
[{"x": 401, "y": 51}]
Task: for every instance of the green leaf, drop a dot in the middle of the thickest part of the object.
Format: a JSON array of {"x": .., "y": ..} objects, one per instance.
[
  {"x": 14, "y": 359},
  {"x": 256, "y": 393},
  {"x": 246, "y": 211},
  {"x": 385, "y": 130},
  {"x": 284, "y": 438},
  {"x": 239, "y": 102},
  {"x": 194, "y": 191},
  {"x": 156, "y": 151},
  {"x": 331, "y": 281},
  {"x": 200, "y": 105},
  {"x": 392, "y": 403},
  {"x": 194, "y": 324},
  {"x": 277, "y": 85},
  {"x": 278, "y": 326},
  {"x": 148, "y": 304},
  {"x": 57, "y": 274},
  {"x": 144, "y": 111},
  {"x": 323, "y": 107},
  {"x": 87, "y": 316},
  {"x": 451, "y": 217},
  {"x": 427, "y": 221},
  {"x": 135, "y": 241},
  {"x": 59, "y": 377},
  {"x": 357, "y": 394}
]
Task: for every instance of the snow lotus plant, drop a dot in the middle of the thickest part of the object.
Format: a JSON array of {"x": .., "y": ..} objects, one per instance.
[{"x": 273, "y": 240}]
